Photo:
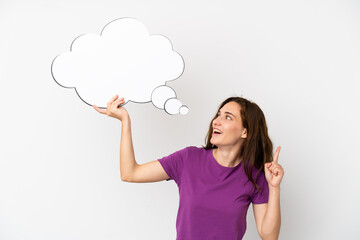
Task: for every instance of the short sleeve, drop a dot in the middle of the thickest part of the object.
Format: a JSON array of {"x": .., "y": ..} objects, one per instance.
[
  {"x": 261, "y": 196},
  {"x": 174, "y": 164}
]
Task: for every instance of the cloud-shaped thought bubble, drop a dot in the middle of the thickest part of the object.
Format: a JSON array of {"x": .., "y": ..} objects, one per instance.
[{"x": 125, "y": 60}]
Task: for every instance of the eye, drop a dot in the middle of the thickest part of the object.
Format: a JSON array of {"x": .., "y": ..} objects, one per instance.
[{"x": 228, "y": 117}]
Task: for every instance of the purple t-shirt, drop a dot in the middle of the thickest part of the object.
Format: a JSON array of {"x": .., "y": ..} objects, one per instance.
[{"x": 213, "y": 199}]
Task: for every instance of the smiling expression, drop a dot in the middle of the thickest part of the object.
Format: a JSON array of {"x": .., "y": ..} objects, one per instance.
[{"x": 228, "y": 129}]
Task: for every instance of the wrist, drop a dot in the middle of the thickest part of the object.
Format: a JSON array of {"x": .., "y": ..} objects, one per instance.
[
  {"x": 125, "y": 119},
  {"x": 274, "y": 189},
  {"x": 125, "y": 122}
]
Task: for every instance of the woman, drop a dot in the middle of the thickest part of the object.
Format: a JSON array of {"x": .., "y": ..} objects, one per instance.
[{"x": 219, "y": 181}]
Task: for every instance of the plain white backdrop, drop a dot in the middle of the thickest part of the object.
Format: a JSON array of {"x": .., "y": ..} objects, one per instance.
[{"x": 59, "y": 158}]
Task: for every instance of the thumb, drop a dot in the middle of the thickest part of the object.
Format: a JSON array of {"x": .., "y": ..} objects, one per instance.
[{"x": 267, "y": 166}]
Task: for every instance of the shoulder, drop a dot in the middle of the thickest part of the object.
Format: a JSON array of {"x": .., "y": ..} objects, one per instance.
[
  {"x": 184, "y": 152},
  {"x": 196, "y": 150}
]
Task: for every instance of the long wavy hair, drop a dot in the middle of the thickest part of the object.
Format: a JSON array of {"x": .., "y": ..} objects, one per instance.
[{"x": 257, "y": 147}]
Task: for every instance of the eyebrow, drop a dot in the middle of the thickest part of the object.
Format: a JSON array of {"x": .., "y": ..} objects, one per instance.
[{"x": 228, "y": 113}]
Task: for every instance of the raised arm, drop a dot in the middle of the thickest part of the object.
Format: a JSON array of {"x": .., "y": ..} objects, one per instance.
[
  {"x": 268, "y": 215},
  {"x": 130, "y": 171},
  {"x": 127, "y": 155}
]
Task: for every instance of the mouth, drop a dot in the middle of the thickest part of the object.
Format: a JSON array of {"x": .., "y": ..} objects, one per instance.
[{"x": 216, "y": 132}]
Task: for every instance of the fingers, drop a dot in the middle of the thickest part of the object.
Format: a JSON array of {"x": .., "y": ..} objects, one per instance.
[
  {"x": 103, "y": 111},
  {"x": 111, "y": 104},
  {"x": 119, "y": 100},
  {"x": 111, "y": 101},
  {"x": 276, "y": 155},
  {"x": 273, "y": 166},
  {"x": 276, "y": 169},
  {"x": 267, "y": 166},
  {"x": 117, "y": 103}
]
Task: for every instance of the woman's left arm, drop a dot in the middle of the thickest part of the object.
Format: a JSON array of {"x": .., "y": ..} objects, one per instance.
[{"x": 268, "y": 215}]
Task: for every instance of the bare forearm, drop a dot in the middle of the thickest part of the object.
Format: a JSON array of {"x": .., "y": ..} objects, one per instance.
[
  {"x": 127, "y": 156},
  {"x": 272, "y": 219}
]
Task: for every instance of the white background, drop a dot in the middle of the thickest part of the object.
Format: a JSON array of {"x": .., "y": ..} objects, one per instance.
[{"x": 59, "y": 158}]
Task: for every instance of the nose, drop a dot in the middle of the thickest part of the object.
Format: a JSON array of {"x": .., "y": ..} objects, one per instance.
[{"x": 216, "y": 122}]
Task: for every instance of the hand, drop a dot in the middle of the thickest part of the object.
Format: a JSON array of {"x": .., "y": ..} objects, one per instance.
[
  {"x": 274, "y": 171},
  {"x": 113, "y": 109}
]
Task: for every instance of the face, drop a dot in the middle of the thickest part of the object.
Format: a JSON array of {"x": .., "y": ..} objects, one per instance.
[{"x": 228, "y": 129}]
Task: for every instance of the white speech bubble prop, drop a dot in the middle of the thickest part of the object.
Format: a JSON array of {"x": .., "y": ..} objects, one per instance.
[
  {"x": 164, "y": 97},
  {"x": 123, "y": 60},
  {"x": 161, "y": 94},
  {"x": 184, "y": 110},
  {"x": 172, "y": 106}
]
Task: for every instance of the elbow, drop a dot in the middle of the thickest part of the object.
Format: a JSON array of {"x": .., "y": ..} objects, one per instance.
[
  {"x": 274, "y": 235},
  {"x": 270, "y": 238},
  {"x": 124, "y": 178},
  {"x": 270, "y": 234}
]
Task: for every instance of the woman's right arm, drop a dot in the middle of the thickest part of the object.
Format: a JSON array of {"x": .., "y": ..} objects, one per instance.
[
  {"x": 130, "y": 171},
  {"x": 127, "y": 156}
]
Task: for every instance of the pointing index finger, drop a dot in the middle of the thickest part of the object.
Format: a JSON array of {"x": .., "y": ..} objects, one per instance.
[{"x": 276, "y": 155}]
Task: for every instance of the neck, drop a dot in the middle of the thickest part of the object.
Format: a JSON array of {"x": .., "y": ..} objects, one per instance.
[{"x": 227, "y": 157}]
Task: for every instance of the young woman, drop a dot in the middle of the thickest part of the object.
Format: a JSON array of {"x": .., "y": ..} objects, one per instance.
[{"x": 218, "y": 182}]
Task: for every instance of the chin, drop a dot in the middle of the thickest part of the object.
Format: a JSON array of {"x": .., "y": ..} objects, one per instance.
[{"x": 213, "y": 143}]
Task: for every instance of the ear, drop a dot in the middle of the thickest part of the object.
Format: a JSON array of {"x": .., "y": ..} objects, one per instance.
[{"x": 244, "y": 133}]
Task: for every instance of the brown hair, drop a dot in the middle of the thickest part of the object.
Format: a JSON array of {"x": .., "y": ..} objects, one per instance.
[{"x": 257, "y": 147}]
